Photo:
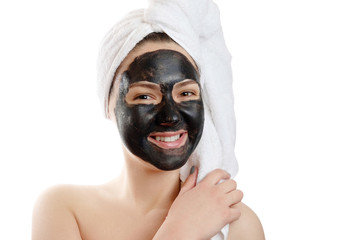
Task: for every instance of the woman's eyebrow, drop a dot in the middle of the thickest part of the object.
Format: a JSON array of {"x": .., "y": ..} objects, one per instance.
[
  {"x": 185, "y": 83},
  {"x": 146, "y": 85}
]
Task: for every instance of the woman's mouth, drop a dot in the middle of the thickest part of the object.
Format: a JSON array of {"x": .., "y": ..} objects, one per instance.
[{"x": 168, "y": 140}]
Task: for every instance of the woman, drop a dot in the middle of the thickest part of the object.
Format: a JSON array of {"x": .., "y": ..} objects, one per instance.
[{"x": 156, "y": 99}]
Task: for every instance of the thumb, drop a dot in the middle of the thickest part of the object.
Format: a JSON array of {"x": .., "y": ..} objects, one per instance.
[{"x": 190, "y": 182}]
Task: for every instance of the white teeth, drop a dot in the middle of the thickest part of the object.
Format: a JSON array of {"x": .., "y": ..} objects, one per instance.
[{"x": 167, "y": 139}]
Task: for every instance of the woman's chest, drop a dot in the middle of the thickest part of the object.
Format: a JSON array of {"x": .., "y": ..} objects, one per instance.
[{"x": 118, "y": 223}]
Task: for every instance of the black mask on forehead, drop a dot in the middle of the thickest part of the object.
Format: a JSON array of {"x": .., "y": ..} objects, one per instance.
[{"x": 136, "y": 122}]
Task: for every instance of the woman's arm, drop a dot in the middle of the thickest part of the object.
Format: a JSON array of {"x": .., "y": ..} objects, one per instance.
[{"x": 53, "y": 218}]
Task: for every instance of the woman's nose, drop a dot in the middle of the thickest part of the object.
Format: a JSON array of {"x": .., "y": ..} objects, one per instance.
[{"x": 168, "y": 114}]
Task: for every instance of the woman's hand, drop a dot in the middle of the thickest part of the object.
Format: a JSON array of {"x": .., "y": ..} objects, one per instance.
[{"x": 200, "y": 211}]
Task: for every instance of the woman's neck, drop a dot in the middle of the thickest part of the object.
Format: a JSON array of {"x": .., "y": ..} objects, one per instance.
[{"x": 146, "y": 186}]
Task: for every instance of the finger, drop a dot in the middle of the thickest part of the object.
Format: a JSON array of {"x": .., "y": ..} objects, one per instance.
[
  {"x": 227, "y": 185},
  {"x": 234, "y": 215},
  {"x": 215, "y": 176},
  {"x": 190, "y": 182},
  {"x": 234, "y": 197}
]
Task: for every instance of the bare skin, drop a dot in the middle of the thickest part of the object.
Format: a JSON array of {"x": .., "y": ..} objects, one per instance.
[{"x": 144, "y": 202}]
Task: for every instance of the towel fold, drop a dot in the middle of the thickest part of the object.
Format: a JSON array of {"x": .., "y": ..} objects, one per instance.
[{"x": 194, "y": 25}]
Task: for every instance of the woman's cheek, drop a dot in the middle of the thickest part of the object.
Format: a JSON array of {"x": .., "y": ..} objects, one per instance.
[
  {"x": 193, "y": 113},
  {"x": 142, "y": 116}
]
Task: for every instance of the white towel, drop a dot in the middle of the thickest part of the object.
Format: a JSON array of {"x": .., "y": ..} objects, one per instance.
[{"x": 195, "y": 25}]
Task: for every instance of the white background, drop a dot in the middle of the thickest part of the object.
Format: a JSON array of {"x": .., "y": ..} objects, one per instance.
[{"x": 296, "y": 71}]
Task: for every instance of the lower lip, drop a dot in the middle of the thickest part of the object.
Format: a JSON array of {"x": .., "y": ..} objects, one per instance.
[{"x": 170, "y": 145}]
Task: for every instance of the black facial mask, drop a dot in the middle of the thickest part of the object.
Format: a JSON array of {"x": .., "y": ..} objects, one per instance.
[{"x": 137, "y": 122}]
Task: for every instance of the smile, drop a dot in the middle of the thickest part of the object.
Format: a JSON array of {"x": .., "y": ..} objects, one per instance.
[{"x": 168, "y": 140}]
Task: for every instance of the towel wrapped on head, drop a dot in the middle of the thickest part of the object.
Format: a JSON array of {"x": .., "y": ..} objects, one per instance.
[{"x": 195, "y": 26}]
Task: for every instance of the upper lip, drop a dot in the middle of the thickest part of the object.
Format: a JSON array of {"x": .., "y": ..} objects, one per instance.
[{"x": 167, "y": 134}]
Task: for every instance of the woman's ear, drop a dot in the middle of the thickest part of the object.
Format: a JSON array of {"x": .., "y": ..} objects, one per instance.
[
  {"x": 114, "y": 93},
  {"x": 111, "y": 115}
]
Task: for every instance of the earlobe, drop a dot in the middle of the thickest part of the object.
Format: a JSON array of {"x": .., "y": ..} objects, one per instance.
[
  {"x": 111, "y": 112},
  {"x": 112, "y": 117},
  {"x": 111, "y": 107}
]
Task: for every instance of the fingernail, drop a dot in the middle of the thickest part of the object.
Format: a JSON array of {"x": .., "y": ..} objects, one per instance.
[{"x": 192, "y": 170}]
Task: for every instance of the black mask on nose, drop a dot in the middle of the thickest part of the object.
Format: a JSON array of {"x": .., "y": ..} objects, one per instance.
[{"x": 136, "y": 122}]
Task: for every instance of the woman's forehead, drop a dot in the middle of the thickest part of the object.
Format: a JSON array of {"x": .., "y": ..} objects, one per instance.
[{"x": 150, "y": 47}]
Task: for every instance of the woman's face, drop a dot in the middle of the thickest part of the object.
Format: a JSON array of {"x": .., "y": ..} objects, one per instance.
[{"x": 158, "y": 107}]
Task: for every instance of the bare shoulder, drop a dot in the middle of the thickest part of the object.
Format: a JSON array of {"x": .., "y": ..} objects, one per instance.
[
  {"x": 247, "y": 227},
  {"x": 53, "y": 217},
  {"x": 54, "y": 214}
]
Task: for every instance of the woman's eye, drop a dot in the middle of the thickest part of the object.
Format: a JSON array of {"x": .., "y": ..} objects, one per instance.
[
  {"x": 185, "y": 94},
  {"x": 143, "y": 97}
]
